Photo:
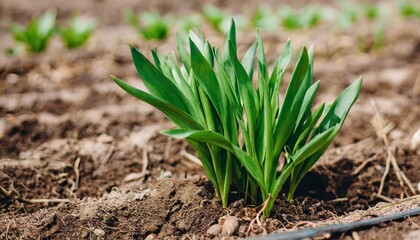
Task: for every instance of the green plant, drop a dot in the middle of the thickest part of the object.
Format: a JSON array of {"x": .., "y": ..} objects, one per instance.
[
  {"x": 37, "y": 34},
  {"x": 78, "y": 32},
  {"x": 374, "y": 40},
  {"x": 220, "y": 20},
  {"x": 189, "y": 22},
  {"x": 264, "y": 18},
  {"x": 306, "y": 18},
  {"x": 347, "y": 16},
  {"x": 409, "y": 9},
  {"x": 239, "y": 131},
  {"x": 152, "y": 25},
  {"x": 371, "y": 11}
]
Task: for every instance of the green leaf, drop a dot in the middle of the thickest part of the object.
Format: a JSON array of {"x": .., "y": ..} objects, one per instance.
[
  {"x": 178, "y": 116},
  {"x": 216, "y": 139},
  {"x": 207, "y": 79},
  {"x": 292, "y": 102},
  {"x": 158, "y": 84},
  {"x": 341, "y": 106}
]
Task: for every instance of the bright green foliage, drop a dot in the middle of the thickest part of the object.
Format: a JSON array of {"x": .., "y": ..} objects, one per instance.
[
  {"x": 241, "y": 132},
  {"x": 37, "y": 34},
  {"x": 371, "y": 11},
  {"x": 152, "y": 26},
  {"x": 264, "y": 18},
  {"x": 306, "y": 18},
  {"x": 409, "y": 9},
  {"x": 220, "y": 20},
  {"x": 347, "y": 16},
  {"x": 189, "y": 22},
  {"x": 78, "y": 32}
]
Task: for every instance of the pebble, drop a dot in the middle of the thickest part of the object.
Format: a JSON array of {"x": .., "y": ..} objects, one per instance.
[
  {"x": 99, "y": 232},
  {"x": 230, "y": 226},
  {"x": 165, "y": 174},
  {"x": 151, "y": 236},
  {"x": 214, "y": 230}
]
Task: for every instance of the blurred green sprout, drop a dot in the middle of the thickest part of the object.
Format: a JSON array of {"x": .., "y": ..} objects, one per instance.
[
  {"x": 36, "y": 35},
  {"x": 78, "y": 32},
  {"x": 306, "y": 18},
  {"x": 150, "y": 25},
  {"x": 409, "y": 9}
]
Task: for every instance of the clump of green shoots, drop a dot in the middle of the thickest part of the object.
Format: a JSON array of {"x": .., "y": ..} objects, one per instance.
[
  {"x": 303, "y": 19},
  {"x": 37, "y": 34},
  {"x": 150, "y": 25},
  {"x": 373, "y": 41},
  {"x": 78, "y": 32},
  {"x": 347, "y": 16},
  {"x": 243, "y": 133},
  {"x": 264, "y": 18},
  {"x": 220, "y": 20},
  {"x": 370, "y": 11},
  {"x": 409, "y": 9}
]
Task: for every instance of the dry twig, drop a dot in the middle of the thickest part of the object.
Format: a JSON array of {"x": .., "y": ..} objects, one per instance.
[
  {"x": 257, "y": 218},
  {"x": 13, "y": 195},
  {"x": 382, "y": 130}
]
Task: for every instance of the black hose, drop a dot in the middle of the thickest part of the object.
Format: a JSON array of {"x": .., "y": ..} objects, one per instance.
[{"x": 337, "y": 228}]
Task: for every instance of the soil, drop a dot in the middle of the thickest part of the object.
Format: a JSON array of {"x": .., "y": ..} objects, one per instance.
[{"x": 68, "y": 132}]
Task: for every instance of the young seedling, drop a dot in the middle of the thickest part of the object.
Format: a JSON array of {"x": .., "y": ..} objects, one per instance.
[
  {"x": 347, "y": 16},
  {"x": 78, "y": 32},
  {"x": 220, "y": 20},
  {"x": 242, "y": 132},
  {"x": 409, "y": 9},
  {"x": 306, "y": 18},
  {"x": 152, "y": 26},
  {"x": 37, "y": 34},
  {"x": 371, "y": 11},
  {"x": 374, "y": 40},
  {"x": 264, "y": 18}
]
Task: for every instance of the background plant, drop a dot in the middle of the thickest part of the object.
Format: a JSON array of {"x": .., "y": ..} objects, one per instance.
[
  {"x": 220, "y": 20},
  {"x": 150, "y": 25},
  {"x": 78, "y": 32},
  {"x": 409, "y": 9},
  {"x": 37, "y": 34},
  {"x": 305, "y": 18},
  {"x": 242, "y": 132}
]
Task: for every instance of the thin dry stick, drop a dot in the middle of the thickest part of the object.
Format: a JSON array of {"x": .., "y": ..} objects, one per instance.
[
  {"x": 190, "y": 157},
  {"x": 387, "y": 167},
  {"x": 168, "y": 148},
  {"x": 382, "y": 131},
  {"x": 363, "y": 165},
  {"x": 14, "y": 196},
  {"x": 302, "y": 223},
  {"x": 76, "y": 173},
  {"x": 145, "y": 161},
  {"x": 108, "y": 154},
  {"x": 257, "y": 218}
]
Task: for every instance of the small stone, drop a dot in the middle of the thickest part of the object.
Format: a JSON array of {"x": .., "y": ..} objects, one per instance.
[
  {"x": 165, "y": 174},
  {"x": 214, "y": 230},
  {"x": 151, "y": 236},
  {"x": 99, "y": 232},
  {"x": 230, "y": 226}
]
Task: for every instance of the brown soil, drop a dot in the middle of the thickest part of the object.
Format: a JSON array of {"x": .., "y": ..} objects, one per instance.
[{"x": 68, "y": 132}]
